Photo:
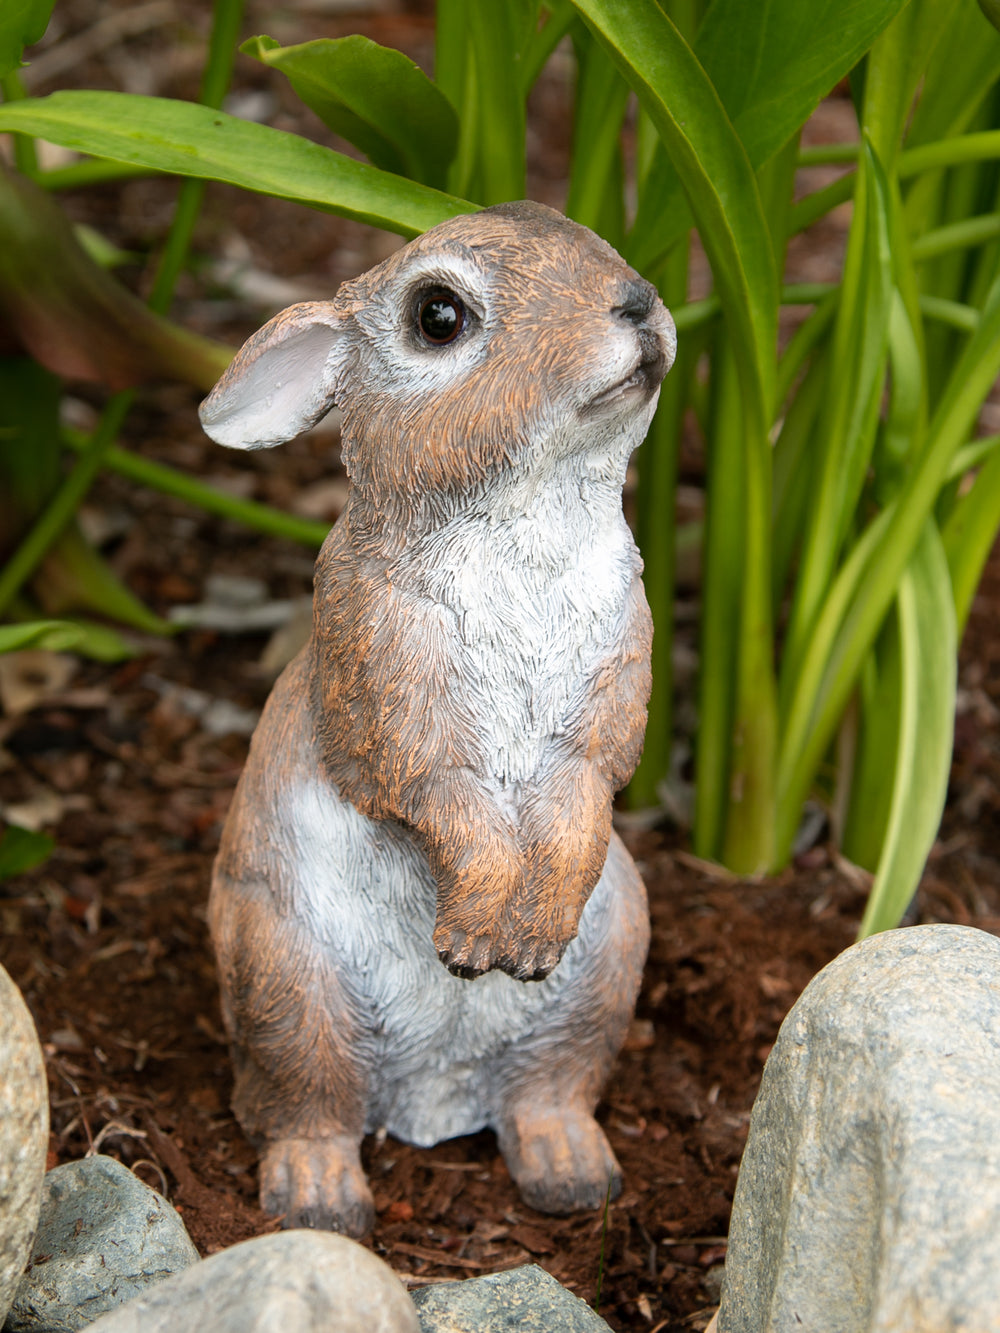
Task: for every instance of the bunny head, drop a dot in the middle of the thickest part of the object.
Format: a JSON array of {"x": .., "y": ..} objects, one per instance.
[{"x": 475, "y": 346}]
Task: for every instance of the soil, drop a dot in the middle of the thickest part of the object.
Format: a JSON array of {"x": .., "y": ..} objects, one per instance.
[{"x": 126, "y": 767}]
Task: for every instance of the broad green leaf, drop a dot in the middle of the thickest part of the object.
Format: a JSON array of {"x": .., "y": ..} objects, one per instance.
[
  {"x": 948, "y": 102},
  {"x": 722, "y": 191},
  {"x": 491, "y": 161},
  {"x": 192, "y": 140},
  {"x": 770, "y": 65},
  {"x": 451, "y": 36},
  {"x": 895, "y": 67},
  {"x": 72, "y": 315},
  {"x": 373, "y": 96},
  {"x": 969, "y": 535},
  {"x": 21, "y": 850},
  {"x": 714, "y": 171},
  {"x": 22, "y": 23},
  {"x": 928, "y": 651},
  {"x": 597, "y": 178},
  {"x": 64, "y": 636}
]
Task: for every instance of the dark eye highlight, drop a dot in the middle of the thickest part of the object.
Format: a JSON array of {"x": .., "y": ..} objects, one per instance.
[{"x": 441, "y": 317}]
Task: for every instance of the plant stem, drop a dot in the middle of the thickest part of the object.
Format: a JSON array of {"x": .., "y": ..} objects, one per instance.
[
  {"x": 227, "y": 15},
  {"x": 25, "y": 156},
  {"x": 721, "y": 586},
  {"x": 956, "y": 314},
  {"x": 957, "y": 236},
  {"x": 169, "y": 481},
  {"x": 65, "y": 502},
  {"x": 94, "y": 171},
  {"x": 657, "y": 534},
  {"x": 980, "y": 147},
  {"x": 828, "y": 154}
]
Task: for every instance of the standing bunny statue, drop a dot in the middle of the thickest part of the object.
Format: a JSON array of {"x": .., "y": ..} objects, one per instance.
[{"x": 423, "y": 919}]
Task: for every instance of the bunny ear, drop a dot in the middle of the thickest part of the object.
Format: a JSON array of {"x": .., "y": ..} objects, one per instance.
[{"x": 280, "y": 382}]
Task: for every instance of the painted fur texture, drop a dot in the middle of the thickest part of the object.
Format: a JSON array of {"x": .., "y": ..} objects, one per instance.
[{"x": 423, "y": 919}]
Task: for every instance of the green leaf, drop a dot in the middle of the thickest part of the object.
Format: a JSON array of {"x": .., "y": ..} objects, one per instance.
[
  {"x": 947, "y": 101},
  {"x": 491, "y": 161},
  {"x": 969, "y": 535},
  {"x": 192, "y": 140},
  {"x": 863, "y": 591},
  {"x": 854, "y": 389},
  {"x": 714, "y": 171},
  {"x": 876, "y": 744},
  {"x": 928, "y": 650},
  {"x": 597, "y": 177},
  {"x": 373, "y": 96},
  {"x": 21, "y": 850},
  {"x": 22, "y": 23},
  {"x": 770, "y": 64},
  {"x": 722, "y": 591},
  {"x": 63, "y": 636},
  {"x": 722, "y": 191},
  {"x": 895, "y": 68}
]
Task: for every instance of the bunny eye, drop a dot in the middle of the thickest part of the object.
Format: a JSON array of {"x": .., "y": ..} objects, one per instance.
[{"x": 441, "y": 317}]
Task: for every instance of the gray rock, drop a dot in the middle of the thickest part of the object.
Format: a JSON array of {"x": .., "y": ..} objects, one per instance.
[
  {"x": 869, "y": 1194},
  {"x": 24, "y": 1136},
  {"x": 103, "y": 1237},
  {"x": 292, "y": 1282},
  {"x": 526, "y": 1299}
]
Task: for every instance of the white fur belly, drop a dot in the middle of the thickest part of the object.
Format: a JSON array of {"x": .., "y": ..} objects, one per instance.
[
  {"x": 366, "y": 892},
  {"x": 540, "y": 607}
]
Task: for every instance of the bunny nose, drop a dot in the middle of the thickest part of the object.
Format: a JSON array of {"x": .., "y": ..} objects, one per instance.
[{"x": 637, "y": 301}]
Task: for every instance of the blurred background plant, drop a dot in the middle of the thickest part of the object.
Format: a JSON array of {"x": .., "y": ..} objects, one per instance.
[{"x": 850, "y": 501}]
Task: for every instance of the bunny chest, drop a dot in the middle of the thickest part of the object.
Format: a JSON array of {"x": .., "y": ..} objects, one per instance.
[{"x": 534, "y": 602}]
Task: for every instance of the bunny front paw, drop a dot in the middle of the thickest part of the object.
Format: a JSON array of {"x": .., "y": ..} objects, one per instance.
[
  {"x": 560, "y": 1159},
  {"x": 317, "y": 1183}
]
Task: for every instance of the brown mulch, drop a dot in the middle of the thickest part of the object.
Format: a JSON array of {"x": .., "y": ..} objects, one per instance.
[{"x": 108, "y": 940}]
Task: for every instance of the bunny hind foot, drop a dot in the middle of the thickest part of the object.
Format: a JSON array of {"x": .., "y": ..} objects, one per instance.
[
  {"x": 317, "y": 1183},
  {"x": 560, "y": 1159}
]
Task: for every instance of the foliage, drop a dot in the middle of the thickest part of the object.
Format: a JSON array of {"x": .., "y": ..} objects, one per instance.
[
  {"x": 21, "y": 850},
  {"x": 849, "y": 505},
  {"x": 59, "y": 305}
]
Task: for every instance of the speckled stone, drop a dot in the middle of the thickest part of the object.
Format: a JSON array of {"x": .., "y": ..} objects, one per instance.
[
  {"x": 103, "y": 1237},
  {"x": 526, "y": 1299},
  {"x": 869, "y": 1195},
  {"x": 291, "y": 1282},
  {"x": 24, "y": 1136}
]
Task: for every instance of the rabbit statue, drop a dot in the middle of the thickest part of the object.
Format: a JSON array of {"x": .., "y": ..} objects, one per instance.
[{"x": 423, "y": 919}]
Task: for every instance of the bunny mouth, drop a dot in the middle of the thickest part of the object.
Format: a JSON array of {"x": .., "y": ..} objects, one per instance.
[{"x": 641, "y": 382}]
